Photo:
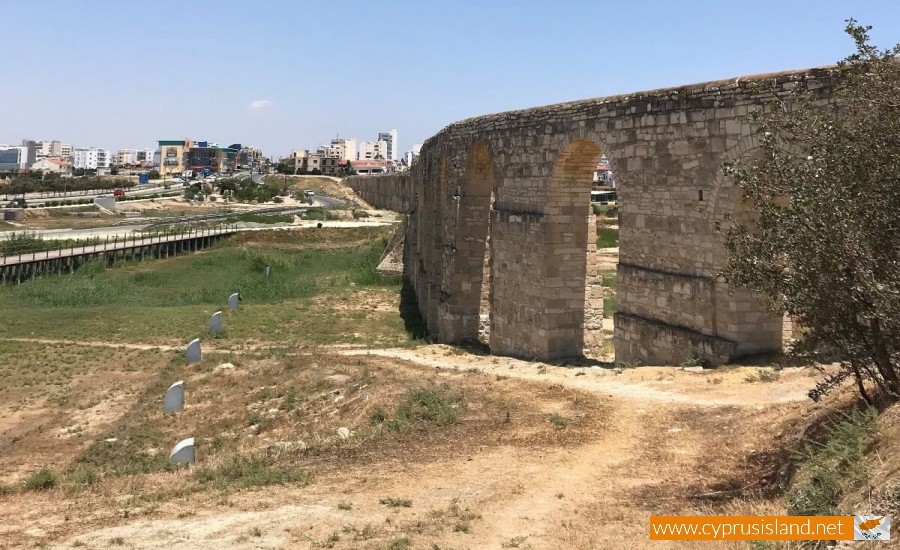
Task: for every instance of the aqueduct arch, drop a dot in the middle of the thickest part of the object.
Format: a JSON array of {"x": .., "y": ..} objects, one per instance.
[{"x": 666, "y": 147}]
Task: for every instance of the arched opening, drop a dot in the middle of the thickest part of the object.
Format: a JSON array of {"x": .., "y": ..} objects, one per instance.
[
  {"x": 465, "y": 281},
  {"x": 574, "y": 319},
  {"x": 739, "y": 315}
]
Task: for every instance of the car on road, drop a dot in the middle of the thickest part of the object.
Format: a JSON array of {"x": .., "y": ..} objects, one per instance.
[
  {"x": 119, "y": 192},
  {"x": 17, "y": 203},
  {"x": 308, "y": 193}
]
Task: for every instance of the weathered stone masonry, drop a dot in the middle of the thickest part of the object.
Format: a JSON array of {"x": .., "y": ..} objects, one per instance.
[{"x": 523, "y": 178}]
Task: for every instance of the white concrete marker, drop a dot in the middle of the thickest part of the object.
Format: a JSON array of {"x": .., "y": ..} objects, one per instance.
[
  {"x": 192, "y": 353},
  {"x": 174, "y": 399},
  {"x": 233, "y": 301},
  {"x": 215, "y": 323},
  {"x": 183, "y": 451}
]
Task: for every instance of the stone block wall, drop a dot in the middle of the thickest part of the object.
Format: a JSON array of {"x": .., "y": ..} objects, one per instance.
[
  {"x": 388, "y": 192},
  {"x": 666, "y": 147}
]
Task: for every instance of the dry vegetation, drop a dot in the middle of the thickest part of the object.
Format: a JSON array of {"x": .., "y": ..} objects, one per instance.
[{"x": 320, "y": 424}]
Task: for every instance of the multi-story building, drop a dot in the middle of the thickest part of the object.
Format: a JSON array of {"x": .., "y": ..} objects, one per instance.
[
  {"x": 125, "y": 157},
  {"x": 332, "y": 165},
  {"x": 373, "y": 150},
  {"x": 342, "y": 148},
  {"x": 13, "y": 158},
  {"x": 172, "y": 156},
  {"x": 297, "y": 159},
  {"x": 313, "y": 162},
  {"x": 210, "y": 158},
  {"x": 390, "y": 138},
  {"x": 90, "y": 158},
  {"x": 250, "y": 157},
  {"x": 45, "y": 149},
  {"x": 145, "y": 157},
  {"x": 61, "y": 150}
]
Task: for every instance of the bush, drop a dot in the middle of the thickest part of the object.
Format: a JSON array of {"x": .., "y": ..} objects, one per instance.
[
  {"x": 423, "y": 407},
  {"x": 41, "y": 480},
  {"x": 832, "y": 469},
  {"x": 249, "y": 471}
]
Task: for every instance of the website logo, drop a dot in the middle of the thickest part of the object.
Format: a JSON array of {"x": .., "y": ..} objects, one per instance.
[{"x": 871, "y": 527}]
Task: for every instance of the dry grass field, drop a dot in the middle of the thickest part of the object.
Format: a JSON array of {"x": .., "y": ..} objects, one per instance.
[{"x": 320, "y": 423}]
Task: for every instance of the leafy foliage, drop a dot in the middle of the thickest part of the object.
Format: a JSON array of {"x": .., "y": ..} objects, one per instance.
[
  {"x": 822, "y": 238},
  {"x": 33, "y": 182}
]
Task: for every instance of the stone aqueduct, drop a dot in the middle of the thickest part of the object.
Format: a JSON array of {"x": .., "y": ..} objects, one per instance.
[{"x": 497, "y": 206}]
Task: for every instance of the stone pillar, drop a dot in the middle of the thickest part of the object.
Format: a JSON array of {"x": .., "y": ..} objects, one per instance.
[{"x": 593, "y": 292}]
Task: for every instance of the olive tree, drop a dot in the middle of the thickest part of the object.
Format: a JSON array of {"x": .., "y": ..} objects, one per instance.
[{"x": 823, "y": 192}]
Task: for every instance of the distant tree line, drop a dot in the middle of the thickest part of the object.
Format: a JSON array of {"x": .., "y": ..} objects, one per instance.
[{"x": 37, "y": 182}]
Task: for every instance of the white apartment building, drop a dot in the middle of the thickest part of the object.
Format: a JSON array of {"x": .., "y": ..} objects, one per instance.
[
  {"x": 410, "y": 156},
  {"x": 125, "y": 157},
  {"x": 346, "y": 148},
  {"x": 90, "y": 158},
  {"x": 391, "y": 152},
  {"x": 369, "y": 150},
  {"x": 144, "y": 156}
]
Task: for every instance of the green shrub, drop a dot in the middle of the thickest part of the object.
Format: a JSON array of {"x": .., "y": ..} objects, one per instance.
[
  {"x": 832, "y": 469},
  {"x": 249, "y": 471},
  {"x": 41, "y": 480},
  {"x": 423, "y": 407}
]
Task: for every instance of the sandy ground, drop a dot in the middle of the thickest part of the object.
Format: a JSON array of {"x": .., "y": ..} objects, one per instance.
[{"x": 668, "y": 439}]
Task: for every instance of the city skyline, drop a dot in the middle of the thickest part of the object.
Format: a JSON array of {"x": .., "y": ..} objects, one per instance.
[{"x": 266, "y": 82}]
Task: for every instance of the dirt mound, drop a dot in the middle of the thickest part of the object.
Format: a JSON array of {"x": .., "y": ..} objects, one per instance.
[{"x": 36, "y": 214}]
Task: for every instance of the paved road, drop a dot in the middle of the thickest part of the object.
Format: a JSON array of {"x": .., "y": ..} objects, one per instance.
[{"x": 137, "y": 190}]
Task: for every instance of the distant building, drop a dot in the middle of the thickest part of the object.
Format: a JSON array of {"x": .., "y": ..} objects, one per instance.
[
  {"x": 178, "y": 156},
  {"x": 368, "y": 167},
  {"x": 373, "y": 150},
  {"x": 250, "y": 157},
  {"x": 90, "y": 158},
  {"x": 333, "y": 165},
  {"x": 60, "y": 150},
  {"x": 171, "y": 156},
  {"x": 125, "y": 157},
  {"x": 145, "y": 157},
  {"x": 45, "y": 149},
  {"x": 410, "y": 156},
  {"x": 209, "y": 157},
  {"x": 390, "y": 138},
  {"x": 314, "y": 162},
  {"x": 298, "y": 159},
  {"x": 13, "y": 158},
  {"x": 603, "y": 175},
  {"x": 341, "y": 148},
  {"x": 54, "y": 165}
]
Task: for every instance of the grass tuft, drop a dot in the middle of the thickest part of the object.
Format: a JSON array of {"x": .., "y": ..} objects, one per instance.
[
  {"x": 391, "y": 502},
  {"x": 41, "y": 480},
  {"x": 831, "y": 469},
  {"x": 607, "y": 237},
  {"x": 241, "y": 471},
  {"x": 425, "y": 407}
]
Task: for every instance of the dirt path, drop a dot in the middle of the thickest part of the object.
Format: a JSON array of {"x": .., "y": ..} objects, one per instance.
[
  {"x": 642, "y": 384},
  {"x": 667, "y": 433}
]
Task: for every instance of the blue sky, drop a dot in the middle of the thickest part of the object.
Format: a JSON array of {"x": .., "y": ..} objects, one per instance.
[{"x": 282, "y": 74}]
